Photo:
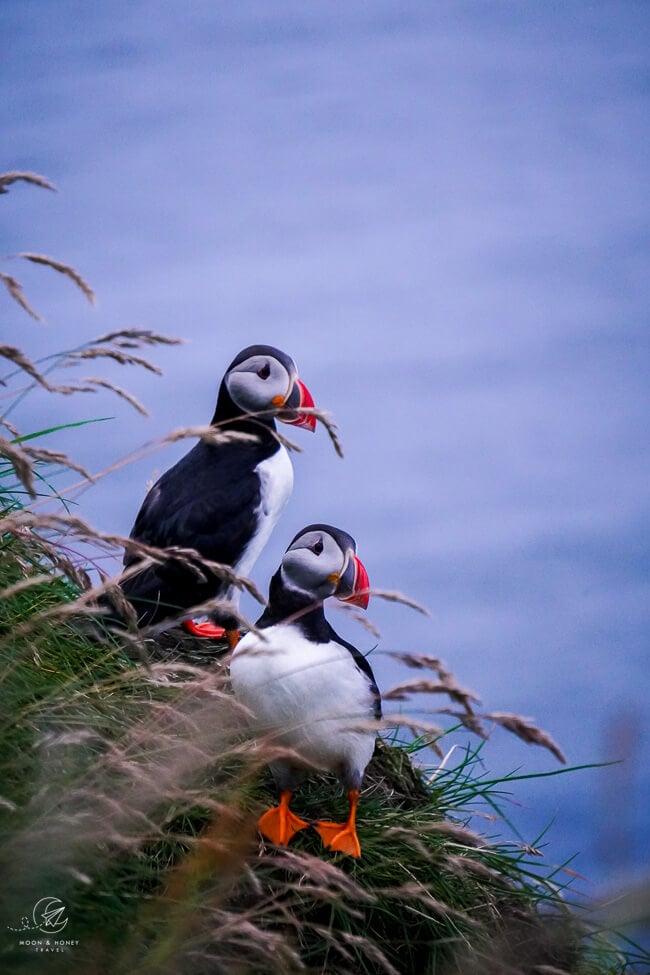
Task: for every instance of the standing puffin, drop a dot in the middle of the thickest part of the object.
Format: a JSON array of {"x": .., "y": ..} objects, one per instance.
[
  {"x": 221, "y": 499},
  {"x": 307, "y": 688}
]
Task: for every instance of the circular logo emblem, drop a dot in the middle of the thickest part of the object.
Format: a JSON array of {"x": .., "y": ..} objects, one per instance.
[{"x": 49, "y": 915}]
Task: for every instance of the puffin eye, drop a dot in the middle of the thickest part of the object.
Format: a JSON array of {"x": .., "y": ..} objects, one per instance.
[
  {"x": 265, "y": 371},
  {"x": 317, "y": 547}
]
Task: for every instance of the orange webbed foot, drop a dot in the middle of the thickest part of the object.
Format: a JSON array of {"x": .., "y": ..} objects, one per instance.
[
  {"x": 279, "y": 824},
  {"x": 341, "y": 837}
]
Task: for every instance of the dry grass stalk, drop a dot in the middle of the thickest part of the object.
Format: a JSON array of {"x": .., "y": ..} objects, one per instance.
[
  {"x": 404, "y": 691},
  {"x": 15, "y": 289},
  {"x": 417, "y": 726},
  {"x": 390, "y": 596},
  {"x": 26, "y": 365},
  {"x": 86, "y": 604},
  {"x": 23, "y": 458},
  {"x": 397, "y": 597},
  {"x": 330, "y": 426},
  {"x": 468, "y": 719},
  {"x": 371, "y": 950},
  {"x": 447, "y": 683},
  {"x": 525, "y": 729},
  {"x": 74, "y": 571},
  {"x": 360, "y": 618},
  {"x": 123, "y": 607},
  {"x": 116, "y": 354},
  {"x": 135, "y": 338},
  {"x": 458, "y": 834},
  {"x": 65, "y": 269},
  {"x": 208, "y": 433},
  {"x": 21, "y": 463},
  {"x": 56, "y": 457},
  {"x": 419, "y": 661},
  {"x": 128, "y": 338},
  {"x": 321, "y": 415},
  {"x": 15, "y": 433},
  {"x": 118, "y": 390},
  {"x": 462, "y": 865},
  {"x": 6, "y": 179}
]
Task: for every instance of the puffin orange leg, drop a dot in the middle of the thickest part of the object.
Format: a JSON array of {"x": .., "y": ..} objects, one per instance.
[
  {"x": 233, "y": 637},
  {"x": 342, "y": 836},
  {"x": 206, "y": 630},
  {"x": 279, "y": 824}
]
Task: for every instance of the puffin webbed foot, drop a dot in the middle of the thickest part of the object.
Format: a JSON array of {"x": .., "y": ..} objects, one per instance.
[
  {"x": 206, "y": 630},
  {"x": 342, "y": 837},
  {"x": 279, "y": 824}
]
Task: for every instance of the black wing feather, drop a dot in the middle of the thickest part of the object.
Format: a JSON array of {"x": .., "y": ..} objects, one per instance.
[{"x": 207, "y": 501}]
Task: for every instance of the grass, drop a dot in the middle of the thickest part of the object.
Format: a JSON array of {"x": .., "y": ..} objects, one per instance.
[{"x": 130, "y": 790}]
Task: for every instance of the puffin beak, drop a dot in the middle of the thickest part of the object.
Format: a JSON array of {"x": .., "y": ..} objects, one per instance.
[
  {"x": 298, "y": 399},
  {"x": 354, "y": 584}
]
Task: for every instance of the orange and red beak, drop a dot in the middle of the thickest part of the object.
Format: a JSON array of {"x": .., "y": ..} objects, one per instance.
[
  {"x": 354, "y": 584},
  {"x": 298, "y": 399}
]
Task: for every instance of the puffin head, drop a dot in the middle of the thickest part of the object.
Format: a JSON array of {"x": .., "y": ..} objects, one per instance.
[
  {"x": 263, "y": 378},
  {"x": 321, "y": 561}
]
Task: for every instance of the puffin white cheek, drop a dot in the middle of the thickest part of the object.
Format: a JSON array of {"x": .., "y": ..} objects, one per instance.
[
  {"x": 251, "y": 392},
  {"x": 299, "y": 571},
  {"x": 247, "y": 391}
]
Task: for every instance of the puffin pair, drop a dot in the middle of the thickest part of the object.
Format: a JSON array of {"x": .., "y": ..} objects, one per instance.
[{"x": 304, "y": 686}]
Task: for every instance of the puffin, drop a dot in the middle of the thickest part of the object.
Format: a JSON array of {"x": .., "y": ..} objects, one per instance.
[
  {"x": 221, "y": 499},
  {"x": 304, "y": 687}
]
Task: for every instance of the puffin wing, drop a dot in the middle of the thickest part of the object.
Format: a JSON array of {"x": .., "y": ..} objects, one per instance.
[{"x": 208, "y": 501}]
